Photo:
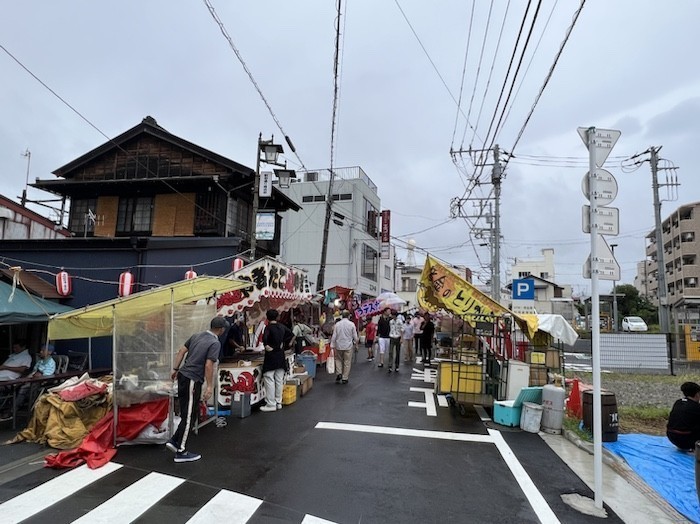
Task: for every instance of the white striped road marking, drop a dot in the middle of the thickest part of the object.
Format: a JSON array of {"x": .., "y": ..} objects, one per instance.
[
  {"x": 534, "y": 497},
  {"x": 35, "y": 500},
  {"x": 133, "y": 501},
  {"x": 227, "y": 506},
  {"x": 442, "y": 401},
  {"x": 426, "y": 375},
  {"x": 429, "y": 403},
  {"x": 482, "y": 413},
  {"x": 405, "y": 432}
]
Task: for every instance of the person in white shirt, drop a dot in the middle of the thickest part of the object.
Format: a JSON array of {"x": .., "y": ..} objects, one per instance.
[
  {"x": 417, "y": 323},
  {"x": 407, "y": 341},
  {"x": 17, "y": 363},
  {"x": 395, "y": 330},
  {"x": 343, "y": 342}
]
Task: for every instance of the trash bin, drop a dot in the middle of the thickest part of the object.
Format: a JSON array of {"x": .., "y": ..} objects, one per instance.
[
  {"x": 608, "y": 414},
  {"x": 531, "y": 417},
  {"x": 240, "y": 405},
  {"x": 308, "y": 360}
]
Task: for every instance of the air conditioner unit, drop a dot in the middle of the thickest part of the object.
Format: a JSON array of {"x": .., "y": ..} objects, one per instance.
[{"x": 692, "y": 281}]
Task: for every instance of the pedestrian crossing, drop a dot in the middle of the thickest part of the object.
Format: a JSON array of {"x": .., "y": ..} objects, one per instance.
[{"x": 73, "y": 497}]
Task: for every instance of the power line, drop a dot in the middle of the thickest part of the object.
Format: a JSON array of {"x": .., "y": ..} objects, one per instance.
[{"x": 464, "y": 70}]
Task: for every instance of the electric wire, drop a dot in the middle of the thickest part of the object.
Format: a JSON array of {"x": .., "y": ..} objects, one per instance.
[{"x": 464, "y": 71}]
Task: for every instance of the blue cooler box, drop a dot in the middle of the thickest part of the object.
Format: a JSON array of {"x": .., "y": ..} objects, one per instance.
[{"x": 308, "y": 360}]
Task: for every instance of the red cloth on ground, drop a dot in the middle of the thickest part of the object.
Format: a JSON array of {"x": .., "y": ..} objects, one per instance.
[
  {"x": 97, "y": 448},
  {"x": 80, "y": 391}
]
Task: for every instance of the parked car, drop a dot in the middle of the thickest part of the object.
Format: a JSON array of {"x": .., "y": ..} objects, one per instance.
[{"x": 633, "y": 324}]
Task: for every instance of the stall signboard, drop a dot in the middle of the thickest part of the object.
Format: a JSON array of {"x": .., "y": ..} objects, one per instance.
[
  {"x": 240, "y": 380},
  {"x": 442, "y": 288},
  {"x": 368, "y": 308},
  {"x": 272, "y": 285}
]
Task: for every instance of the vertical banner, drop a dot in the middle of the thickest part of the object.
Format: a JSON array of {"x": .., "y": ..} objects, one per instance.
[
  {"x": 265, "y": 226},
  {"x": 386, "y": 233},
  {"x": 265, "y": 189}
]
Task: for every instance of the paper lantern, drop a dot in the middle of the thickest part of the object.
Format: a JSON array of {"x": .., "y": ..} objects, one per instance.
[
  {"x": 189, "y": 275},
  {"x": 126, "y": 284},
  {"x": 64, "y": 283},
  {"x": 238, "y": 264}
]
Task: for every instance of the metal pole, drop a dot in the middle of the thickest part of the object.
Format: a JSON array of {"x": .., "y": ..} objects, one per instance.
[
  {"x": 661, "y": 267},
  {"x": 615, "y": 328},
  {"x": 497, "y": 226},
  {"x": 320, "y": 280},
  {"x": 595, "y": 332},
  {"x": 256, "y": 202}
]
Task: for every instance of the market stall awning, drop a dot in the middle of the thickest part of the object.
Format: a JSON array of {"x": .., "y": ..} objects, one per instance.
[
  {"x": 441, "y": 288},
  {"x": 98, "y": 320},
  {"x": 18, "y": 306},
  {"x": 272, "y": 285}
]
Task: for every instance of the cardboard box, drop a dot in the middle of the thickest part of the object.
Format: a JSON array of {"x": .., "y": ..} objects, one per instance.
[
  {"x": 538, "y": 375},
  {"x": 306, "y": 385},
  {"x": 552, "y": 360}
]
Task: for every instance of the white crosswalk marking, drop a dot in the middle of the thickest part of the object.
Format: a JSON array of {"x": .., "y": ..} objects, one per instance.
[
  {"x": 425, "y": 375},
  {"x": 429, "y": 403},
  {"x": 134, "y": 500},
  {"x": 35, "y": 500},
  {"x": 227, "y": 506},
  {"x": 131, "y": 502}
]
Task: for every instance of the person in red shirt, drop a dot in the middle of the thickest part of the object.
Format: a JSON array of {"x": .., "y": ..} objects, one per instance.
[{"x": 370, "y": 336}]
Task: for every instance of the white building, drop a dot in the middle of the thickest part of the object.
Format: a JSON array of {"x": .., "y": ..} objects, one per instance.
[
  {"x": 20, "y": 223},
  {"x": 353, "y": 257},
  {"x": 539, "y": 267}
]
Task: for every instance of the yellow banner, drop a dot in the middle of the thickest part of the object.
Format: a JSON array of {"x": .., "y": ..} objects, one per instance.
[{"x": 441, "y": 288}]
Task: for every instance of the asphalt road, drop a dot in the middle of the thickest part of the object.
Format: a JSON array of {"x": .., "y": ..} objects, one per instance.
[{"x": 342, "y": 453}]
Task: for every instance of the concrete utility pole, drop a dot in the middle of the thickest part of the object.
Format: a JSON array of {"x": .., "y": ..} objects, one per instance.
[
  {"x": 320, "y": 280},
  {"x": 496, "y": 239},
  {"x": 661, "y": 267}
]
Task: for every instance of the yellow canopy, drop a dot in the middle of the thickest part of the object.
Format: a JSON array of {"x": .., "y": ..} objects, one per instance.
[
  {"x": 441, "y": 288},
  {"x": 97, "y": 320}
]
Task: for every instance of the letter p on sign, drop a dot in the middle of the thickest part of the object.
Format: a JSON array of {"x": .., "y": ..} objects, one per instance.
[{"x": 524, "y": 289}]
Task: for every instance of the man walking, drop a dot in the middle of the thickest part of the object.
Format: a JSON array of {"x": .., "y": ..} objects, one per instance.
[
  {"x": 417, "y": 323},
  {"x": 202, "y": 351},
  {"x": 343, "y": 342},
  {"x": 383, "y": 334},
  {"x": 395, "y": 329},
  {"x": 426, "y": 341}
]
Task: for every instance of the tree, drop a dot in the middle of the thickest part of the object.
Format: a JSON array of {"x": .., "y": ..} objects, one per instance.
[{"x": 632, "y": 304}]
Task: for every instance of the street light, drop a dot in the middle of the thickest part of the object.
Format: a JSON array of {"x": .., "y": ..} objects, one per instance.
[
  {"x": 612, "y": 248},
  {"x": 267, "y": 152}
]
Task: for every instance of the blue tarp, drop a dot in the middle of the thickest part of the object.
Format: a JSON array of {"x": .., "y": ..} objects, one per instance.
[
  {"x": 669, "y": 471},
  {"x": 25, "y": 307}
]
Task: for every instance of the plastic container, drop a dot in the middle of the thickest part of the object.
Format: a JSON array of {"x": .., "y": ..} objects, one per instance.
[
  {"x": 553, "y": 398},
  {"x": 608, "y": 414},
  {"x": 240, "y": 404},
  {"x": 531, "y": 417},
  {"x": 308, "y": 360}
]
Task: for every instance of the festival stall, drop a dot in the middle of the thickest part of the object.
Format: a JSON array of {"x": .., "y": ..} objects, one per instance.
[
  {"x": 146, "y": 329},
  {"x": 272, "y": 285},
  {"x": 483, "y": 361}
]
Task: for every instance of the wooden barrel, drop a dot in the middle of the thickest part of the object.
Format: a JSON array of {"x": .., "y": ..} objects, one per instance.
[{"x": 608, "y": 414}]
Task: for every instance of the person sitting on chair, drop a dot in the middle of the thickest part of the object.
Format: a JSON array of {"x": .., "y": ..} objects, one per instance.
[
  {"x": 17, "y": 363},
  {"x": 683, "y": 428},
  {"x": 45, "y": 367}
]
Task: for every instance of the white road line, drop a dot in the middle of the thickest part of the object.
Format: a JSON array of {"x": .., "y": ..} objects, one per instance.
[
  {"x": 482, "y": 413},
  {"x": 131, "y": 502},
  {"x": 227, "y": 506},
  {"x": 405, "y": 432},
  {"x": 537, "y": 501},
  {"x": 310, "y": 519},
  {"x": 35, "y": 500},
  {"x": 426, "y": 375},
  {"x": 429, "y": 403},
  {"x": 442, "y": 401}
]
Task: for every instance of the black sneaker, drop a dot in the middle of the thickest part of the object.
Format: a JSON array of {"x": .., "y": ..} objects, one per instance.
[
  {"x": 338, "y": 378},
  {"x": 380, "y": 366},
  {"x": 345, "y": 381},
  {"x": 187, "y": 456},
  {"x": 389, "y": 370}
]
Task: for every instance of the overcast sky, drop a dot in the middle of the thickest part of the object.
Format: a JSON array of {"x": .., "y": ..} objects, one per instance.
[{"x": 629, "y": 65}]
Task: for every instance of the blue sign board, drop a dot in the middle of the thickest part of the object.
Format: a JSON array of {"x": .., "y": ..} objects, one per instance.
[{"x": 524, "y": 289}]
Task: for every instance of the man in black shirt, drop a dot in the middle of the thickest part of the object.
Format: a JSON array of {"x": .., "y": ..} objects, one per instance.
[
  {"x": 383, "y": 330},
  {"x": 683, "y": 428},
  {"x": 426, "y": 340},
  {"x": 276, "y": 338}
]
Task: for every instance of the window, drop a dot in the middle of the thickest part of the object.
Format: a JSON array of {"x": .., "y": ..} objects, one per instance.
[
  {"x": 208, "y": 213},
  {"x": 240, "y": 214},
  {"x": 409, "y": 284},
  {"x": 544, "y": 274},
  {"x": 387, "y": 272},
  {"x": 369, "y": 262},
  {"x": 134, "y": 215},
  {"x": 307, "y": 198},
  {"x": 372, "y": 218},
  {"x": 523, "y": 274},
  {"x": 79, "y": 224}
]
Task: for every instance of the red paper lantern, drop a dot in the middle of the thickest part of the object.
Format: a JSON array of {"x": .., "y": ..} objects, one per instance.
[
  {"x": 189, "y": 275},
  {"x": 126, "y": 284},
  {"x": 238, "y": 264},
  {"x": 64, "y": 283}
]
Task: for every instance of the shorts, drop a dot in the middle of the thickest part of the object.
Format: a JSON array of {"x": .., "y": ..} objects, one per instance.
[
  {"x": 369, "y": 343},
  {"x": 383, "y": 345}
]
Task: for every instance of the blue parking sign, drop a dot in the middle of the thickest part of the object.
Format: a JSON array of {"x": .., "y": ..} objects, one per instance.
[{"x": 524, "y": 289}]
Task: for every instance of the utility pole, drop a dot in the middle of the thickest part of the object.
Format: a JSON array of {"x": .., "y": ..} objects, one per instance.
[
  {"x": 496, "y": 239},
  {"x": 320, "y": 280},
  {"x": 28, "y": 155},
  {"x": 661, "y": 267},
  {"x": 256, "y": 201},
  {"x": 615, "y": 324}
]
